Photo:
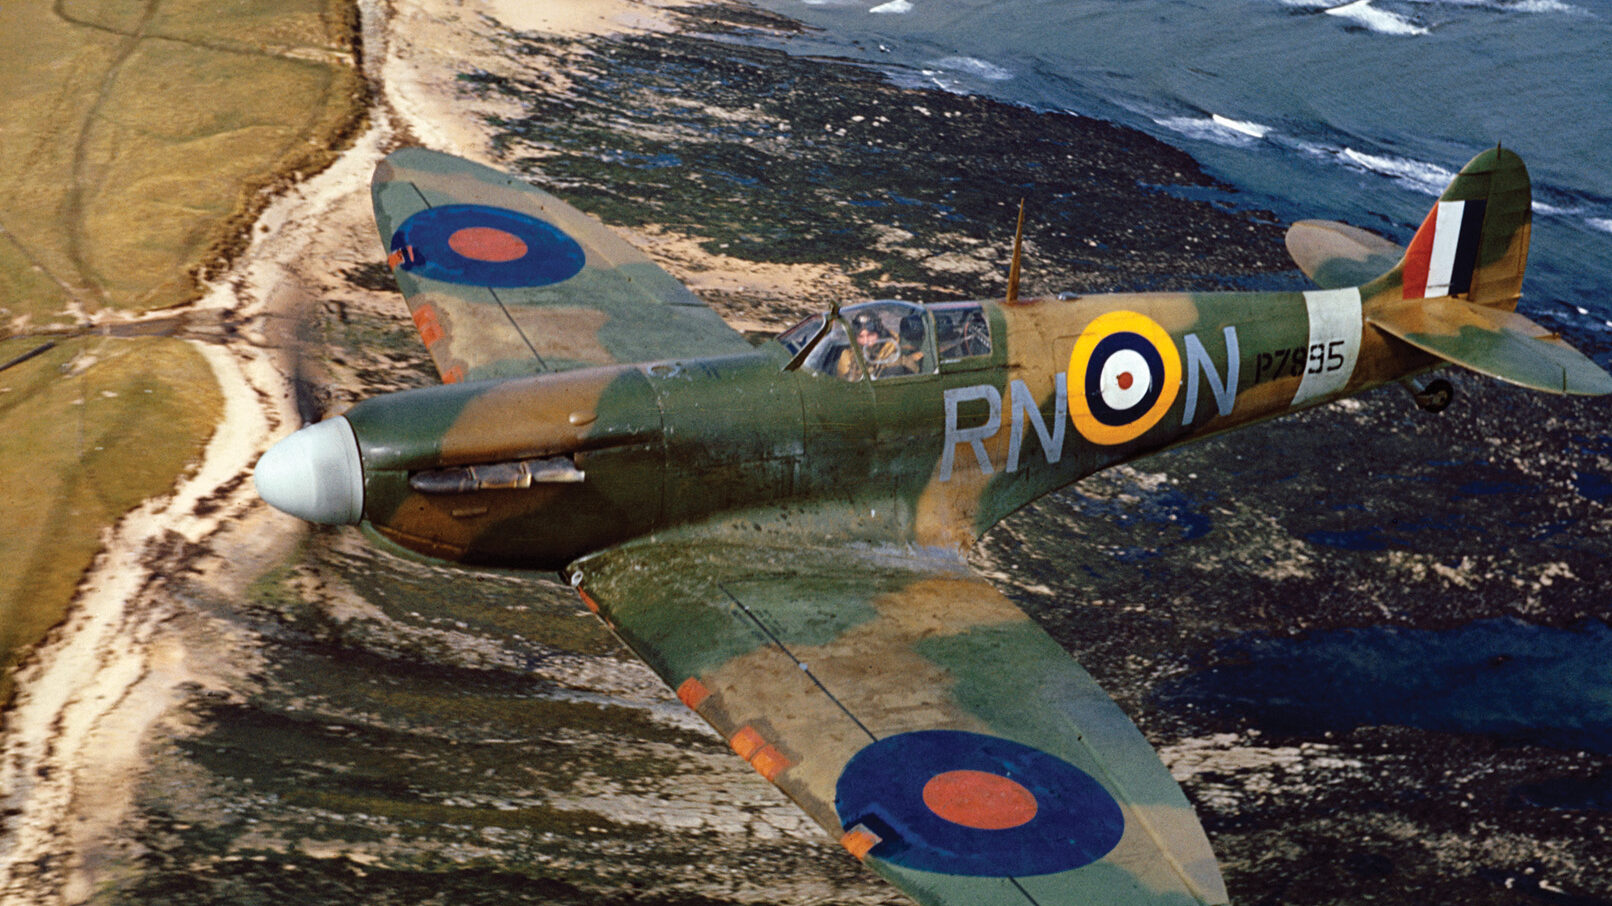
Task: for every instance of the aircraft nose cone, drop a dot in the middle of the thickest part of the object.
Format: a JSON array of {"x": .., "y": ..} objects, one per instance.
[{"x": 315, "y": 474}]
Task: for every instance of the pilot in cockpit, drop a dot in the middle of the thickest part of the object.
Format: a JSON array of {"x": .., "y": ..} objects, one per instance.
[{"x": 879, "y": 349}]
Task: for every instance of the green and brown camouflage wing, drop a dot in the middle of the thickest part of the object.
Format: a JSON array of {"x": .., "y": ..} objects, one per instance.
[
  {"x": 916, "y": 714},
  {"x": 504, "y": 279}
]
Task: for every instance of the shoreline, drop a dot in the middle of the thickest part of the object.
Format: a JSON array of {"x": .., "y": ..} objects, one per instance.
[{"x": 89, "y": 692}]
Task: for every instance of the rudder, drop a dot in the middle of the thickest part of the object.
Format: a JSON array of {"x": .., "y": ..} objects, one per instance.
[{"x": 1473, "y": 244}]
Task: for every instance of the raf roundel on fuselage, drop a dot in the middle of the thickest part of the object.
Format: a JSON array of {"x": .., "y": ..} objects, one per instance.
[
  {"x": 1123, "y": 376},
  {"x": 479, "y": 245}
]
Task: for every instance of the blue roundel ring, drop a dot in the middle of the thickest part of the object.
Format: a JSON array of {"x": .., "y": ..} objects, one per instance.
[
  {"x": 1122, "y": 342},
  {"x": 897, "y": 788},
  {"x": 479, "y": 245}
]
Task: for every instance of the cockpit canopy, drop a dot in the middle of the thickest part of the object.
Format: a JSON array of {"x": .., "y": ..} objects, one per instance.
[{"x": 887, "y": 339}]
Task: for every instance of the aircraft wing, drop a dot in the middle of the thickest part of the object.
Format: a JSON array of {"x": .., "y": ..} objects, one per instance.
[
  {"x": 504, "y": 279},
  {"x": 916, "y": 714},
  {"x": 1337, "y": 255}
]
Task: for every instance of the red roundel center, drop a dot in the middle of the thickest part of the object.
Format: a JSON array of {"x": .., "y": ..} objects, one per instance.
[
  {"x": 487, "y": 244},
  {"x": 1126, "y": 380},
  {"x": 979, "y": 800}
]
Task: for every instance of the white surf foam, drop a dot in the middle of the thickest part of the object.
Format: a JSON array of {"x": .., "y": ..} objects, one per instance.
[
  {"x": 1509, "y": 6},
  {"x": 1551, "y": 210},
  {"x": 971, "y": 66},
  {"x": 1425, "y": 177},
  {"x": 1378, "y": 20},
  {"x": 1221, "y": 130},
  {"x": 1600, "y": 223},
  {"x": 894, "y": 7},
  {"x": 1255, "y": 130},
  {"x": 1362, "y": 13}
]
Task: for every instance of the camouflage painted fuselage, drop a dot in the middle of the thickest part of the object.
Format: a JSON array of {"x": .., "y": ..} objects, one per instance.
[{"x": 932, "y": 459}]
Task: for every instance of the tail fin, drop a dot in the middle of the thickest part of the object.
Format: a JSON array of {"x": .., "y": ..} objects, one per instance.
[
  {"x": 1473, "y": 245},
  {"x": 1455, "y": 291}
]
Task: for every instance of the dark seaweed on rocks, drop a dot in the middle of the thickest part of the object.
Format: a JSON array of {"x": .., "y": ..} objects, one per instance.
[{"x": 776, "y": 158}]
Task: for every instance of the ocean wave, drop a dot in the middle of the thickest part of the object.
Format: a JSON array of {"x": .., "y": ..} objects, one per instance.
[
  {"x": 1255, "y": 130},
  {"x": 971, "y": 66},
  {"x": 1378, "y": 20},
  {"x": 1601, "y": 223},
  {"x": 1551, "y": 210},
  {"x": 1387, "y": 22},
  {"x": 1363, "y": 14},
  {"x": 1509, "y": 6},
  {"x": 1222, "y": 130},
  {"x": 893, "y": 7},
  {"x": 1426, "y": 177}
]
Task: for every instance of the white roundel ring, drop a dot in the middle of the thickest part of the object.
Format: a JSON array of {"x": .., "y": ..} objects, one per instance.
[{"x": 1124, "y": 380}]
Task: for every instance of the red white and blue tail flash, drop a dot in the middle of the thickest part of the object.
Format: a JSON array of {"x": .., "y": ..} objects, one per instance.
[{"x": 1444, "y": 253}]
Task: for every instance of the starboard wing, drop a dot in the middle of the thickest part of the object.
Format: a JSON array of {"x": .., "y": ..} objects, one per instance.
[
  {"x": 504, "y": 279},
  {"x": 916, "y": 714}
]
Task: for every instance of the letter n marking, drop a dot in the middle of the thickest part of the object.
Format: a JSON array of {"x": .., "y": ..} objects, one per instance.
[
  {"x": 1198, "y": 359},
  {"x": 1025, "y": 410}
]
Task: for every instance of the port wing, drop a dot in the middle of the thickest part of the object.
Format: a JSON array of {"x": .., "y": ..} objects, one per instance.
[
  {"x": 504, "y": 279},
  {"x": 1336, "y": 255},
  {"x": 916, "y": 714}
]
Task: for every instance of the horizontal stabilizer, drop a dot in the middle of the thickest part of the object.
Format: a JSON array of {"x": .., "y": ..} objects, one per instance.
[
  {"x": 1498, "y": 343},
  {"x": 1336, "y": 255}
]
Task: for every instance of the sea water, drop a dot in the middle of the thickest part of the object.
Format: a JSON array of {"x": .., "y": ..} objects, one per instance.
[{"x": 1360, "y": 112}]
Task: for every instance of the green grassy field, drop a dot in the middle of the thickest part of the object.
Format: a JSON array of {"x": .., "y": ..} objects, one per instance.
[
  {"x": 88, "y": 430},
  {"x": 139, "y": 139}
]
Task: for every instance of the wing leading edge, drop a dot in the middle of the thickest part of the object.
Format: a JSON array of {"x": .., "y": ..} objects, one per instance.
[
  {"x": 504, "y": 279},
  {"x": 916, "y": 714}
]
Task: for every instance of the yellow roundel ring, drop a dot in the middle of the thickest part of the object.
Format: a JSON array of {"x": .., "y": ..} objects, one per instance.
[{"x": 1124, "y": 374}]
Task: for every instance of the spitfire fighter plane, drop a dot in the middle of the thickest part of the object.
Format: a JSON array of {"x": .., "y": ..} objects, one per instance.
[{"x": 778, "y": 530}]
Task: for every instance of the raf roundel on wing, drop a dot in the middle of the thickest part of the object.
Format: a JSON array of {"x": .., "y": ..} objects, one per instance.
[
  {"x": 971, "y": 804},
  {"x": 478, "y": 245}
]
